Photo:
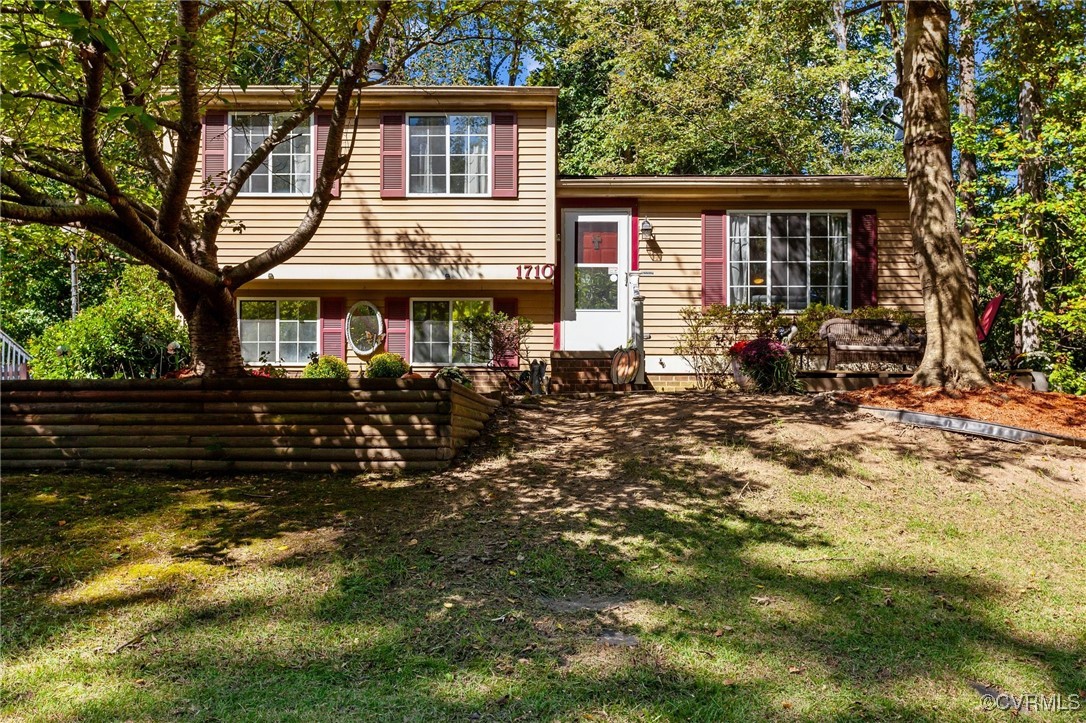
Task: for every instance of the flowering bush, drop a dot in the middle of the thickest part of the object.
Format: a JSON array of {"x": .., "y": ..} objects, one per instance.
[
  {"x": 768, "y": 364},
  {"x": 737, "y": 348}
]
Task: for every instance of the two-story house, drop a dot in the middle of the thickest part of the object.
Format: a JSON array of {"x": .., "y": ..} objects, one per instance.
[{"x": 452, "y": 202}]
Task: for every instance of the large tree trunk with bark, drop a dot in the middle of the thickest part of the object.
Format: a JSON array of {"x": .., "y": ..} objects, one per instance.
[
  {"x": 952, "y": 358},
  {"x": 212, "y": 321},
  {"x": 967, "y": 160}
]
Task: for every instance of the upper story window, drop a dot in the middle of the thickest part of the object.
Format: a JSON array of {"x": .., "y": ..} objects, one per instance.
[
  {"x": 288, "y": 169},
  {"x": 448, "y": 154},
  {"x": 792, "y": 259}
]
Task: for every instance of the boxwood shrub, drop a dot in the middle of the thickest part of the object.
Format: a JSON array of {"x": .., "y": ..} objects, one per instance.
[{"x": 387, "y": 366}]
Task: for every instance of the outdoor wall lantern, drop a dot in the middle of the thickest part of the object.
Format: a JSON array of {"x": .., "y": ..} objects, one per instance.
[
  {"x": 646, "y": 230},
  {"x": 597, "y": 241},
  {"x": 375, "y": 70}
]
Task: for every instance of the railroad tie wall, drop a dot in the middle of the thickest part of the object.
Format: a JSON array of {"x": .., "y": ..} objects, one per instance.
[{"x": 245, "y": 425}]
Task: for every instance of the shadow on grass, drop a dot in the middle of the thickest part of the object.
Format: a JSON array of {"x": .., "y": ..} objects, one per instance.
[{"x": 439, "y": 605}]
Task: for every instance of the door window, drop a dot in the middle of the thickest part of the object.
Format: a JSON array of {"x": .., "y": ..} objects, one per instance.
[{"x": 596, "y": 277}]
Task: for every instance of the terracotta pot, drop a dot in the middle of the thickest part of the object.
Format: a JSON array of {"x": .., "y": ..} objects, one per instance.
[{"x": 412, "y": 375}]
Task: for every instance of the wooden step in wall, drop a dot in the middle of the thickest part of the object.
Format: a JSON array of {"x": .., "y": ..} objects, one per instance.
[{"x": 320, "y": 425}]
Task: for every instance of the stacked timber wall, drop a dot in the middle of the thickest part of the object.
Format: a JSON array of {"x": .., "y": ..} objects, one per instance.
[{"x": 193, "y": 425}]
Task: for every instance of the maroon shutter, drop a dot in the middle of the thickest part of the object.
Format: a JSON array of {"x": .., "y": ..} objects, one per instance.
[
  {"x": 509, "y": 308},
  {"x": 215, "y": 163},
  {"x": 503, "y": 161},
  {"x": 714, "y": 283},
  {"x": 323, "y": 123},
  {"x": 333, "y": 338},
  {"x": 865, "y": 258},
  {"x": 393, "y": 163},
  {"x": 397, "y": 325}
]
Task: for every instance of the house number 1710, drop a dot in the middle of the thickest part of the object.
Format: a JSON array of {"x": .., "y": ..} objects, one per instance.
[{"x": 535, "y": 271}]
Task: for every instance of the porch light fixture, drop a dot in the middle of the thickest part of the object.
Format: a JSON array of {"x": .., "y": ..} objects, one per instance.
[
  {"x": 597, "y": 241},
  {"x": 645, "y": 230}
]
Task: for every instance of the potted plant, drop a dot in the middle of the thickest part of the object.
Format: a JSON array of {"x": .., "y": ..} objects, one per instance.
[
  {"x": 743, "y": 381},
  {"x": 767, "y": 365}
]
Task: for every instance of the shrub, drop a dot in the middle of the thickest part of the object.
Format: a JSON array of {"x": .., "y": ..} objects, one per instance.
[
  {"x": 387, "y": 366},
  {"x": 125, "y": 336},
  {"x": 326, "y": 367},
  {"x": 768, "y": 364},
  {"x": 709, "y": 334},
  {"x": 1064, "y": 378},
  {"x": 506, "y": 337},
  {"x": 455, "y": 374}
]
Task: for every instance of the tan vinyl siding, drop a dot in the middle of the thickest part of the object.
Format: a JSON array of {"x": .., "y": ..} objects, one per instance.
[
  {"x": 899, "y": 282},
  {"x": 674, "y": 258},
  {"x": 360, "y": 228}
]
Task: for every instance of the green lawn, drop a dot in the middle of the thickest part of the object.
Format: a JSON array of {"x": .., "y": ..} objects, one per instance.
[{"x": 677, "y": 557}]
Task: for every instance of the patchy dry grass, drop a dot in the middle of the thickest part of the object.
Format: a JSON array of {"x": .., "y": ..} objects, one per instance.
[{"x": 643, "y": 558}]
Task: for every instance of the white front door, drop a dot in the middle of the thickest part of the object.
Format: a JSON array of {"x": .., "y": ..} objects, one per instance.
[{"x": 595, "y": 280}]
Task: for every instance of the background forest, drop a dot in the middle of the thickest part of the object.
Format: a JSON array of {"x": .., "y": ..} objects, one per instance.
[{"x": 765, "y": 87}]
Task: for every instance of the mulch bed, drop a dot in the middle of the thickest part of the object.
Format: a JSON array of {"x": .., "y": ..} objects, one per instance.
[{"x": 1008, "y": 404}]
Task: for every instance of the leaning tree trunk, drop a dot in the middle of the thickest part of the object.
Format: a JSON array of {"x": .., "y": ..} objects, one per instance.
[
  {"x": 967, "y": 160},
  {"x": 952, "y": 358},
  {"x": 840, "y": 35},
  {"x": 212, "y": 321},
  {"x": 1031, "y": 183}
]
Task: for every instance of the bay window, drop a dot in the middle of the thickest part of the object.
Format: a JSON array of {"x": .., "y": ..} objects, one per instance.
[
  {"x": 278, "y": 330},
  {"x": 288, "y": 169},
  {"x": 791, "y": 259},
  {"x": 448, "y": 154},
  {"x": 438, "y": 336}
]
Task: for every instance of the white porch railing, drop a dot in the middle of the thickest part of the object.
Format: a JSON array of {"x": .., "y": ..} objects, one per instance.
[{"x": 13, "y": 359}]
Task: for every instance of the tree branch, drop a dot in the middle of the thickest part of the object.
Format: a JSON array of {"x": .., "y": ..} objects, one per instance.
[
  {"x": 335, "y": 57},
  {"x": 187, "y": 152},
  {"x": 213, "y": 218},
  {"x": 330, "y": 168}
]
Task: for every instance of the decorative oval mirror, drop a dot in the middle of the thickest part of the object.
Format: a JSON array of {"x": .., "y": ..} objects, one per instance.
[{"x": 365, "y": 328}]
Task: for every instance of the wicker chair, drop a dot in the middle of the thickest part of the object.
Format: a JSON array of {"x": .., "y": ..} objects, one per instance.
[{"x": 853, "y": 341}]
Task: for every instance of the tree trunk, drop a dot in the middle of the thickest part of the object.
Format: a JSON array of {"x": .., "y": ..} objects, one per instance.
[
  {"x": 213, "y": 333},
  {"x": 1031, "y": 183},
  {"x": 967, "y": 160},
  {"x": 840, "y": 34},
  {"x": 952, "y": 358}
]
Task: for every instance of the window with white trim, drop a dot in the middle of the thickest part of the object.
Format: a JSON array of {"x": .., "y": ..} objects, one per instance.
[
  {"x": 281, "y": 331},
  {"x": 448, "y": 154},
  {"x": 790, "y": 258},
  {"x": 438, "y": 335},
  {"x": 288, "y": 169}
]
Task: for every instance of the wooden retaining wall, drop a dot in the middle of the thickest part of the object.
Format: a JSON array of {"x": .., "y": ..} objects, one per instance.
[{"x": 245, "y": 425}]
